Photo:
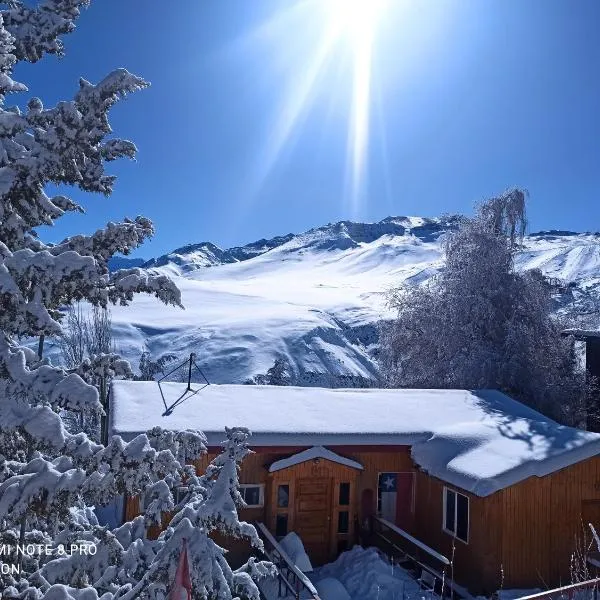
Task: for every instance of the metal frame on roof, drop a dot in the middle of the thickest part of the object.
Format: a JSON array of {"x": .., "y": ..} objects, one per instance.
[{"x": 191, "y": 361}]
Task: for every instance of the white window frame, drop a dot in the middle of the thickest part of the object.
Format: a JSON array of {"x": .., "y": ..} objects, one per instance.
[
  {"x": 261, "y": 497},
  {"x": 453, "y": 533}
]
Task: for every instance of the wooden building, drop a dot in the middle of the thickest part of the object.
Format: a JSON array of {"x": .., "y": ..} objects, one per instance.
[{"x": 497, "y": 487}]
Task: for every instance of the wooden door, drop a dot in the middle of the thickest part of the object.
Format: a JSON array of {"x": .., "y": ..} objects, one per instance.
[{"x": 313, "y": 517}]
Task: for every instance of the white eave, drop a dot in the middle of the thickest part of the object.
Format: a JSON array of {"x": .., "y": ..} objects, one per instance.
[{"x": 316, "y": 452}]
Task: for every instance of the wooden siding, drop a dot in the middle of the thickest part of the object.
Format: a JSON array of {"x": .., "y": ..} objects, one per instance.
[
  {"x": 523, "y": 536},
  {"x": 475, "y": 563},
  {"x": 544, "y": 523},
  {"x": 519, "y": 537},
  {"x": 255, "y": 471}
]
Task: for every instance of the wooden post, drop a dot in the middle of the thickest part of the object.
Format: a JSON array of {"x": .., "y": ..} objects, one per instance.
[
  {"x": 192, "y": 357},
  {"x": 41, "y": 346}
]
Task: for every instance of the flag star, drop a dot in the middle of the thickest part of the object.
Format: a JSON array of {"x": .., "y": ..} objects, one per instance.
[{"x": 389, "y": 483}]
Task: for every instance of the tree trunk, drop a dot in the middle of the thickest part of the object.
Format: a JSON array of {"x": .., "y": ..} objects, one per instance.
[
  {"x": 23, "y": 528},
  {"x": 104, "y": 420},
  {"x": 41, "y": 346},
  {"x": 21, "y": 542}
]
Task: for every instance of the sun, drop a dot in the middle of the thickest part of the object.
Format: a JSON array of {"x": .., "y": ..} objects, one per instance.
[
  {"x": 356, "y": 19},
  {"x": 356, "y": 23},
  {"x": 335, "y": 28}
]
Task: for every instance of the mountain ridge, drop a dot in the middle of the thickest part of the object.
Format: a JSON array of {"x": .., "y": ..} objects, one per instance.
[
  {"x": 209, "y": 254},
  {"x": 314, "y": 299}
]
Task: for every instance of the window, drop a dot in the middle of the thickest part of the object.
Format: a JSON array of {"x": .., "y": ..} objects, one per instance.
[
  {"x": 281, "y": 526},
  {"x": 253, "y": 494},
  {"x": 344, "y": 498},
  {"x": 456, "y": 514},
  {"x": 283, "y": 496},
  {"x": 343, "y": 522}
]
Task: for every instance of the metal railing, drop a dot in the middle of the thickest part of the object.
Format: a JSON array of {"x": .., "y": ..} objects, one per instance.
[
  {"x": 585, "y": 590},
  {"x": 289, "y": 576},
  {"x": 408, "y": 548}
]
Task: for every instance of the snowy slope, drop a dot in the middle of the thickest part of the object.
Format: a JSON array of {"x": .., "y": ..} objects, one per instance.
[{"x": 313, "y": 298}]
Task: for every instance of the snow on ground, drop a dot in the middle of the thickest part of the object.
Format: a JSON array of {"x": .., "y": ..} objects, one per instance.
[
  {"x": 292, "y": 303},
  {"x": 294, "y": 548},
  {"x": 367, "y": 574},
  {"x": 514, "y": 594},
  {"x": 312, "y": 298},
  {"x": 359, "y": 574},
  {"x": 480, "y": 441}
]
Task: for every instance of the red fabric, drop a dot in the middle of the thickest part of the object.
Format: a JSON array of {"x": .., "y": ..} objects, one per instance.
[
  {"x": 182, "y": 577},
  {"x": 404, "y": 500}
]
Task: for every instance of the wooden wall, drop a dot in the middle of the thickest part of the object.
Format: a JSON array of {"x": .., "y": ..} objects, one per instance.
[
  {"x": 520, "y": 537},
  {"x": 544, "y": 521},
  {"x": 476, "y": 564},
  {"x": 523, "y": 536},
  {"x": 375, "y": 459}
]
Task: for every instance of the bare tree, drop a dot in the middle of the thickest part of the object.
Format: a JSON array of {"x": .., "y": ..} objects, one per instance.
[
  {"x": 86, "y": 334},
  {"x": 88, "y": 349},
  {"x": 73, "y": 342}
]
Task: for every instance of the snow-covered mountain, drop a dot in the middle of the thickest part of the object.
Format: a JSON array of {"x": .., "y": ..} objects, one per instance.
[{"x": 313, "y": 298}]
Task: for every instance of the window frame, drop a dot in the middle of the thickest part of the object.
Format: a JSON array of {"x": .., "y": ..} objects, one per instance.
[
  {"x": 339, "y": 513},
  {"x": 339, "y": 493},
  {"x": 261, "y": 494},
  {"x": 454, "y": 534},
  {"x": 279, "y": 508},
  {"x": 179, "y": 493}
]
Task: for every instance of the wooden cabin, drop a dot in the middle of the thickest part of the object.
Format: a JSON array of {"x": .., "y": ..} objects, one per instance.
[{"x": 501, "y": 490}]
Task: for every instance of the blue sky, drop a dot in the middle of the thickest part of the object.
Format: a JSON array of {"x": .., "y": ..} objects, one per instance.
[{"x": 469, "y": 97}]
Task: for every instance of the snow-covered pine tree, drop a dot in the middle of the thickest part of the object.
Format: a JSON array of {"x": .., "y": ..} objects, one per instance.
[
  {"x": 278, "y": 374},
  {"x": 481, "y": 324},
  {"x": 50, "y": 478},
  {"x": 129, "y": 566},
  {"x": 210, "y": 505}
]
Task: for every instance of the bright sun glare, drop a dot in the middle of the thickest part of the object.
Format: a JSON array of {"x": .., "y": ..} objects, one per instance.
[
  {"x": 357, "y": 21},
  {"x": 347, "y": 26}
]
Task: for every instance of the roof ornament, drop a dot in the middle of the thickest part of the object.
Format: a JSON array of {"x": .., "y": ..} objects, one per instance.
[{"x": 189, "y": 391}]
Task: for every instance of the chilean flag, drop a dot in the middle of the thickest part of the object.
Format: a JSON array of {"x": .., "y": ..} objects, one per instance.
[
  {"x": 182, "y": 586},
  {"x": 395, "y": 492}
]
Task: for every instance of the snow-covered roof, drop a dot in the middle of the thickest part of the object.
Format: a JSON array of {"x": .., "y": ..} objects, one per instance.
[
  {"x": 310, "y": 454},
  {"x": 481, "y": 441}
]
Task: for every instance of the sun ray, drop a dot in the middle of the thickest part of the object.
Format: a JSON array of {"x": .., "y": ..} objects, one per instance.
[{"x": 315, "y": 31}]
